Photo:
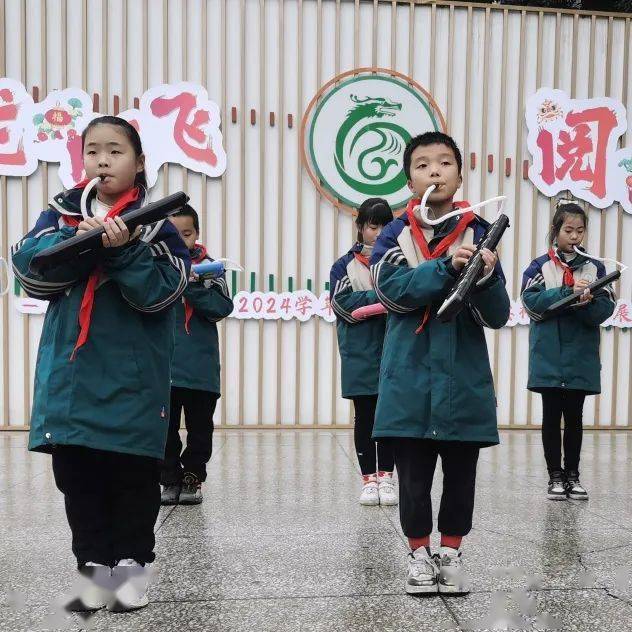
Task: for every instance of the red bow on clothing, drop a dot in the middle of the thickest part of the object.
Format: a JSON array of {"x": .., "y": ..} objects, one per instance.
[
  {"x": 442, "y": 247},
  {"x": 200, "y": 255}
]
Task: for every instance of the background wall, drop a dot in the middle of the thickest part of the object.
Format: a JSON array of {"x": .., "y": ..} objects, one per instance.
[{"x": 480, "y": 63}]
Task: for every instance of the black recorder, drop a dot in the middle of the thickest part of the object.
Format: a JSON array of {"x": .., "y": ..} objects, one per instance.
[
  {"x": 573, "y": 299},
  {"x": 90, "y": 241},
  {"x": 471, "y": 273}
]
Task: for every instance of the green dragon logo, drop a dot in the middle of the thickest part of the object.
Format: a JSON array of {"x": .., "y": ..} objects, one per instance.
[{"x": 385, "y": 140}]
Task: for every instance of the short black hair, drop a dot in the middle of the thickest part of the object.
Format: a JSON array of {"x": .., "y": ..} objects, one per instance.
[
  {"x": 188, "y": 211},
  {"x": 431, "y": 138},
  {"x": 373, "y": 211},
  {"x": 563, "y": 208},
  {"x": 131, "y": 133}
]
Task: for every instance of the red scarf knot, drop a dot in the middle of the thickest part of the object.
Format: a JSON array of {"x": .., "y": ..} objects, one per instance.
[
  {"x": 87, "y": 302},
  {"x": 442, "y": 247}
]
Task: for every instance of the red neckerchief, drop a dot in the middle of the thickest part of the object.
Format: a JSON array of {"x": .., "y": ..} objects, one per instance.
[
  {"x": 568, "y": 279},
  {"x": 200, "y": 255},
  {"x": 363, "y": 259},
  {"x": 87, "y": 302},
  {"x": 442, "y": 247}
]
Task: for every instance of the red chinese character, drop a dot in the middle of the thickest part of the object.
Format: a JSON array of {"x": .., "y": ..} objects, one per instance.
[
  {"x": 303, "y": 303},
  {"x": 9, "y": 113},
  {"x": 621, "y": 314},
  {"x": 73, "y": 145},
  {"x": 186, "y": 106},
  {"x": 327, "y": 306},
  {"x": 582, "y": 149}
]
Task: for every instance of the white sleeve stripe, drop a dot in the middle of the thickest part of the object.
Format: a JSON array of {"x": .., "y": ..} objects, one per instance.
[
  {"x": 42, "y": 285},
  {"x": 342, "y": 285},
  {"x": 479, "y": 316},
  {"x": 533, "y": 315},
  {"x": 50, "y": 229},
  {"x": 221, "y": 285},
  {"x": 156, "y": 307},
  {"x": 392, "y": 306}
]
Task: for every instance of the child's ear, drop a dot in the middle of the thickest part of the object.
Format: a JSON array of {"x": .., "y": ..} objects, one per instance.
[
  {"x": 140, "y": 163},
  {"x": 410, "y": 186}
]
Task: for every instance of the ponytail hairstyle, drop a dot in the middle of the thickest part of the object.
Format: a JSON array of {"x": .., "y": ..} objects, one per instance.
[
  {"x": 132, "y": 135},
  {"x": 373, "y": 211},
  {"x": 563, "y": 208}
]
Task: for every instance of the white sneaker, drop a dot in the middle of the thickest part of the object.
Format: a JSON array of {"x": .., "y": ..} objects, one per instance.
[
  {"x": 93, "y": 591},
  {"x": 370, "y": 495},
  {"x": 386, "y": 488},
  {"x": 422, "y": 573},
  {"x": 452, "y": 578},
  {"x": 133, "y": 581}
]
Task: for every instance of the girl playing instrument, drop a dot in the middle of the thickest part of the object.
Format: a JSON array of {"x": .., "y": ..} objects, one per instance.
[
  {"x": 564, "y": 363},
  {"x": 101, "y": 395},
  {"x": 360, "y": 344}
]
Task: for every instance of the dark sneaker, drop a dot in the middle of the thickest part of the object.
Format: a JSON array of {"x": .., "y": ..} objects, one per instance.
[
  {"x": 574, "y": 488},
  {"x": 557, "y": 487},
  {"x": 191, "y": 492},
  {"x": 170, "y": 494}
]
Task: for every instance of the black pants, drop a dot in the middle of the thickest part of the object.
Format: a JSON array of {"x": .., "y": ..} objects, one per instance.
[
  {"x": 199, "y": 408},
  {"x": 364, "y": 408},
  {"x": 416, "y": 460},
  {"x": 112, "y": 502},
  {"x": 555, "y": 403}
]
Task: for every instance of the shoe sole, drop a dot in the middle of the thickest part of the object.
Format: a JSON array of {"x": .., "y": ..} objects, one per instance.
[
  {"x": 575, "y": 497},
  {"x": 389, "y": 503},
  {"x": 120, "y": 607},
  {"x": 370, "y": 504},
  {"x": 168, "y": 503},
  {"x": 191, "y": 502},
  {"x": 421, "y": 590},
  {"x": 555, "y": 497},
  {"x": 452, "y": 591}
]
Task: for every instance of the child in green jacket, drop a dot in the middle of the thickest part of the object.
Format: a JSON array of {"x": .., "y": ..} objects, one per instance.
[
  {"x": 436, "y": 393},
  {"x": 360, "y": 345},
  {"x": 101, "y": 392},
  {"x": 564, "y": 363},
  {"x": 195, "y": 372}
]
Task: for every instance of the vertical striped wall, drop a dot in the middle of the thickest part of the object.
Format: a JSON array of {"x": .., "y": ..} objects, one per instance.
[{"x": 262, "y": 61}]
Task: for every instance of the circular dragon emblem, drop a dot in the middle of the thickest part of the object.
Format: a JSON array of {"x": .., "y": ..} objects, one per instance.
[{"x": 355, "y": 131}]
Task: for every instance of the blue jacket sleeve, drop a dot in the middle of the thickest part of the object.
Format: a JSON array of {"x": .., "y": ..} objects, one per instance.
[
  {"x": 601, "y": 307},
  {"x": 210, "y": 299},
  {"x": 402, "y": 289},
  {"x": 151, "y": 276},
  {"x": 344, "y": 300},
  {"x": 52, "y": 282},
  {"x": 534, "y": 295},
  {"x": 490, "y": 302}
]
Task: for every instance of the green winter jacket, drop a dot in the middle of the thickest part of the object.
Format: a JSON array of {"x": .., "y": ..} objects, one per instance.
[
  {"x": 359, "y": 341},
  {"x": 115, "y": 394},
  {"x": 564, "y": 350},
  {"x": 196, "y": 362},
  {"x": 436, "y": 384}
]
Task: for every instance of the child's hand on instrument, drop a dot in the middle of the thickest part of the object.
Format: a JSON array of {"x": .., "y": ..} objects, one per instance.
[
  {"x": 490, "y": 258},
  {"x": 116, "y": 232},
  {"x": 89, "y": 224},
  {"x": 462, "y": 256},
  {"x": 580, "y": 287},
  {"x": 193, "y": 276}
]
